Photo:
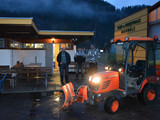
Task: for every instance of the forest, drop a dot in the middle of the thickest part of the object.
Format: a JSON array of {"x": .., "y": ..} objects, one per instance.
[{"x": 71, "y": 15}]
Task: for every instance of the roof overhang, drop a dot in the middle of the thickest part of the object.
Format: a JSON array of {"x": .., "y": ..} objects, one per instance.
[
  {"x": 17, "y": 27},
  {"x": 155, "y": 6},
  {"x": 123, "y": 39},
  {"x": 25, "y": 28}
]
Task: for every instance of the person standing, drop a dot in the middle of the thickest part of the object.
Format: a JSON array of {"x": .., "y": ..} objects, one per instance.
[
  {"x": 93, "y": 55},
  {"x": 79, "y": 59},
  {"x": 64, "y": 60}
]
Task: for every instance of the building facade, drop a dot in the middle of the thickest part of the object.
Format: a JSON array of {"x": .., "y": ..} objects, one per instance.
[
  {"x": 145, "y": 23},
  {"x": 20, "y": 40}
]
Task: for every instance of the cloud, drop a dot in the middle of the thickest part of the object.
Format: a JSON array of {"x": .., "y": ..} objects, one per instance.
[{"x": 70, "y": 7}]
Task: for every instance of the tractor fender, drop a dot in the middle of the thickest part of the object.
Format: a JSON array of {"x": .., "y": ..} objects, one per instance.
[{"x": 143, "y": 84}]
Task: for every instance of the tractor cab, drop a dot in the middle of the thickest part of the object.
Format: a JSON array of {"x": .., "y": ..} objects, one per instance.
[{"x": 135, "y": 59}]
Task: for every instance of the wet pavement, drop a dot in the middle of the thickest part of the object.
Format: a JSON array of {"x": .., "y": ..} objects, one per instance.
[{"x": 46, "y": 106}]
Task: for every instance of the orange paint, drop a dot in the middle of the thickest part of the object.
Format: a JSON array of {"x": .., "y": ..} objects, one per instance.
[
  {"x": 68, "y": 90},
  {"x": 143, "y": 84},
  {"x": 109, "y": 81},
  {"x": 151, "y": 95},
  {"x": 122, "y": 39},
  {"x": 27, "y": 76},
  {"x": 115, "y": 106}
]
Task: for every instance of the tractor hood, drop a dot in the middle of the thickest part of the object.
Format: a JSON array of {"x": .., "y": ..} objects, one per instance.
[
  {"x": 106, "y": 74},
  {"x": 103, "y": 82}
]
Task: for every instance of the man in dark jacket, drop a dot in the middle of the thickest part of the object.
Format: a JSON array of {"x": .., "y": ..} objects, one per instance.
[{"x": 64, "y": 60}]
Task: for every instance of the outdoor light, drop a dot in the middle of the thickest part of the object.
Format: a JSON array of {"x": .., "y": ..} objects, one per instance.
[
  {"x": 74, "y": 39},
  {"x": 126, "y": 38},
  {"x": 101, "y": 51},
  {"x": 96, "y": 80},
  {"x": 53, "y": 39},
  {"x": 111, "y": 41}
]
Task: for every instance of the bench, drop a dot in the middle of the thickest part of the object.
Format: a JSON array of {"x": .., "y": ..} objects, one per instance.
[
  {"x": 29, "y": 73},
  {"x": 3, "y": 70},
  {"x": 72, "y": 67}
]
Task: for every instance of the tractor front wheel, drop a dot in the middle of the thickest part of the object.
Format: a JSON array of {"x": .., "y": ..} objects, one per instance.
[
  {"x": 148, "y": 95},
  {"x": 111, "y": 105}
]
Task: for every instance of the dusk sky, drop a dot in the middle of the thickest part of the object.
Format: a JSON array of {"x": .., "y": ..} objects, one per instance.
[{"x": 125, "y": 3}]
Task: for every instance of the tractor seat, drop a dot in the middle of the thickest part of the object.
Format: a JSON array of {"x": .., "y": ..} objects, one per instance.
[
  {"x": 137, "y": 69},
  {"x": 139, "y": 66}
]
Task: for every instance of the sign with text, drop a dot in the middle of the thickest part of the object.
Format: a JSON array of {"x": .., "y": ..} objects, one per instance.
[{"x": 134, "y": 25}]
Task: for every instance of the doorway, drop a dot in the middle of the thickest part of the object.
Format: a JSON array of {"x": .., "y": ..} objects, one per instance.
[{"x": 56, "y": 50}]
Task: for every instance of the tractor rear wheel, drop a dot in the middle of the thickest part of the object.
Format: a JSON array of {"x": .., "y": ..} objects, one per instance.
[
  {"x": 111, "y": 105},
  {"x": 148, "y": 95}
]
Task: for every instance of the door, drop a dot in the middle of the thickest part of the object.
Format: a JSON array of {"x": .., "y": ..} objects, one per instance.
[
  {"x": 136, "y": 66},
  {"x": 56, "y": 50}
]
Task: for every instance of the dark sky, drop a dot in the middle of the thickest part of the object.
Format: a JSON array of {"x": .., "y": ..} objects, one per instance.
[
  {"x": 43, "y": 6},
  {"x": 125, "y": 3}
]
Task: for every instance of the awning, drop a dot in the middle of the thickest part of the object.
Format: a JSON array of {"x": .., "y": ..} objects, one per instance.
[{"x": 25, "y": 28}]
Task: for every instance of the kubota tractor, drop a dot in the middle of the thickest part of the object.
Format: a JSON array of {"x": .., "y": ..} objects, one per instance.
[{"x": 134, "y": 68}]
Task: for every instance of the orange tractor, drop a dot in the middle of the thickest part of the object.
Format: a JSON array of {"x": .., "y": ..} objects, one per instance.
[{"x": 134, "y": 68}]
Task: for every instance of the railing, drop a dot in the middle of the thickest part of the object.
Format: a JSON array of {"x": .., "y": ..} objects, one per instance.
[{"x": 2, "y": 83}]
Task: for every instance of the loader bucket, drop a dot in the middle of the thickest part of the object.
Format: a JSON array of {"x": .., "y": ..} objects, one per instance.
[{"x": 68, "y": 90}]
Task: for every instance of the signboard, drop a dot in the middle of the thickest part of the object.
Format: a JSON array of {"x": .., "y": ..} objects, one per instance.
[{"x": 134, "y": 25}]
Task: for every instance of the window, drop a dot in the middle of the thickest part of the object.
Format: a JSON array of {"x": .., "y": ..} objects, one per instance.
[
  {"x": 1, "y": 43},
  {"x": 34, "y": 45},
  {"x": 66, "y": 45},
  {"x": 15, "y": 44},
  {"x": 28, "y": 45},
  {"x": 39, "y": 45}
]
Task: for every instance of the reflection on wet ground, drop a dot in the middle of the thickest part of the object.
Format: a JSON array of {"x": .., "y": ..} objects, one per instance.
[{"x": 46, "y": 106}]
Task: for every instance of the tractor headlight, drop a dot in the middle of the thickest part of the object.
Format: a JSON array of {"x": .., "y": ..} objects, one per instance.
[
  {"x": 107, "y": 68},
  {"x": 121, "y": 70},
  {"x": 96, "y": 80}
]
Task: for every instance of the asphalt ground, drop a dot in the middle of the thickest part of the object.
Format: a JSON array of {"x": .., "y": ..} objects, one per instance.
[{"x": 46, "y": 106}]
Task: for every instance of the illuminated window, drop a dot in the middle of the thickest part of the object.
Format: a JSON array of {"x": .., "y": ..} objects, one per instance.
[
  {"x": 34, "y": 45},
  {"x": 1, "y": 43},
  {"x": 66, "y": 45},
  {"x": 15, "y": 44},
  {"x": 39, "y": 45}
]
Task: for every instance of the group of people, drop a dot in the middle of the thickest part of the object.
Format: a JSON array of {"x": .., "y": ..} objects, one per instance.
[{"x": 64, "y": 60}]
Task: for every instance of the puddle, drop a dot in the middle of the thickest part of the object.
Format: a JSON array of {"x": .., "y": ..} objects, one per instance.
[{"x": 36, "y": 101}]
